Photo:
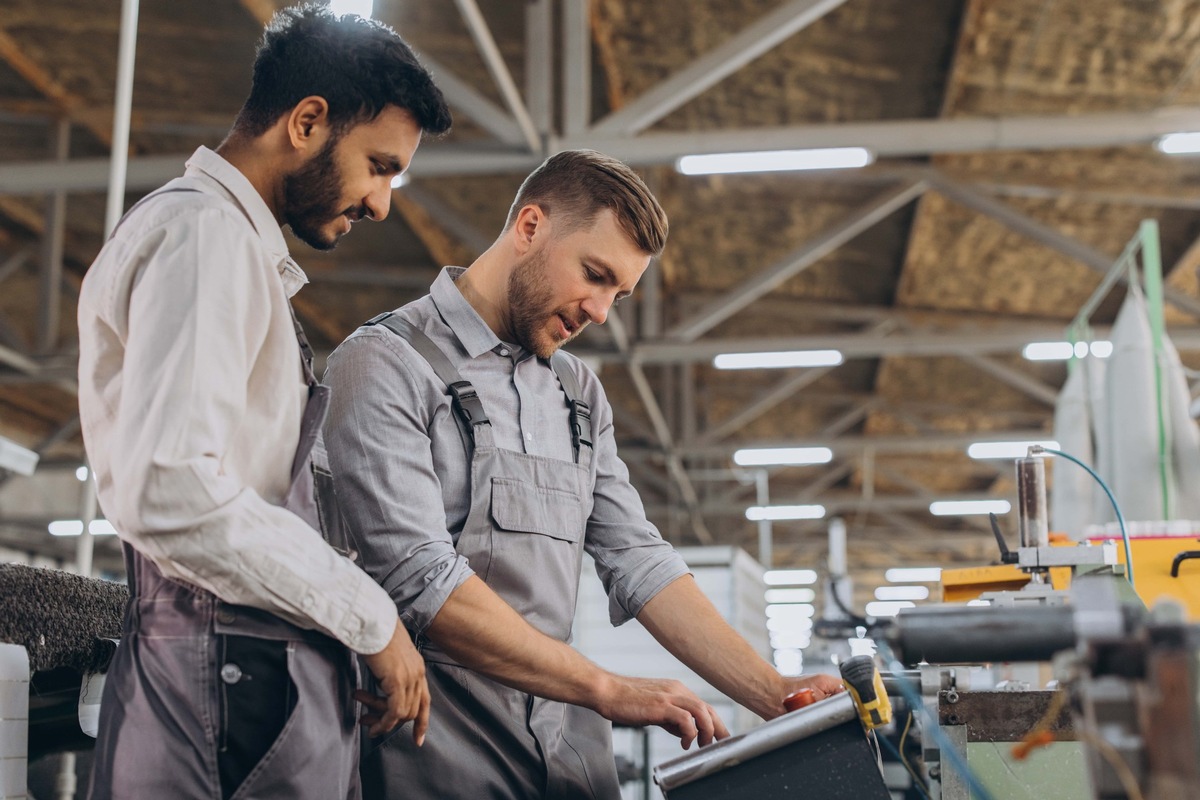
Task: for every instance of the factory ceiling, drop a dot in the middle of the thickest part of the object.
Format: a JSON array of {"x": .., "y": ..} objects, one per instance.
[{"x": 1014, "y": 159}]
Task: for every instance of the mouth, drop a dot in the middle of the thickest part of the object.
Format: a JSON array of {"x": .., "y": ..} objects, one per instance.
[{"x": 569, "y": 327}]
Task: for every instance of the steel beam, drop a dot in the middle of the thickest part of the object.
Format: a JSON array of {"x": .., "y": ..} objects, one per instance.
[
  {"x": 464, "y": 97},
  {"x": 713, "y": 67},
  {"x": 577, "y": 67},
  {"x": 784, "y": 390},
  {"x": 918, "y": 343},
  {"x": 1044, "y": 234},
  {"x": 663, "y": 432},
  {"x": 843, "y": 446},
  {"x": 451, "y": 220},
  {"x": 539, "y": 66},
  {"x": 905, "y": 138},
  {"x": 53, "y": 239},
  {"x": 1015, "y": 378},
  {"x": 841, "y": 503},
  {"x": 482, "y": 35},
  {"x": 14, "y": 262},
  {"x": 796, "y": 262}
]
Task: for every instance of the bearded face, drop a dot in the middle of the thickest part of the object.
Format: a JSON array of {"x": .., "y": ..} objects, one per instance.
[
  {"x": 534, "y": 320},
  {"x": 312, "y": 198}
]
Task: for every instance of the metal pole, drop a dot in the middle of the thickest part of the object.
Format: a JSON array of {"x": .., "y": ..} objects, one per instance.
[
  {"x": 766, "y": 554},
  {"x": 1031, "y": 508},
  {"x": 122, "y": 108},
  {"x": 87, "y": 513}
]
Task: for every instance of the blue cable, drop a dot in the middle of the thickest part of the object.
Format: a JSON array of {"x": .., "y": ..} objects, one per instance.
[
  {"x": 957, "y": 760},
  {"x": 1120, "y": 517}
]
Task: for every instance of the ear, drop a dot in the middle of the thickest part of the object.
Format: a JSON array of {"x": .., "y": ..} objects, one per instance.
[
  {"x": 308, "y": 124},
  {"x": 531, "y": 227}
]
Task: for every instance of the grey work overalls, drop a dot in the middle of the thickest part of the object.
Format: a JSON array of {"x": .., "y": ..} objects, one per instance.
[
  {"x": 524, "y": 537},
  {"x": 165, "y": 711}
]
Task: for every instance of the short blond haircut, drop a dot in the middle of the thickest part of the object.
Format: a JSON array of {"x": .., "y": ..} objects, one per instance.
[{"x": 573, "y": 186}]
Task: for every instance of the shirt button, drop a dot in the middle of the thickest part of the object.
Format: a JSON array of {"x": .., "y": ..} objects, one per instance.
[
  {"x": 307, "y": 602},
  {"x": 529, "y": 437},
  {"x": 231, "y": 673}
]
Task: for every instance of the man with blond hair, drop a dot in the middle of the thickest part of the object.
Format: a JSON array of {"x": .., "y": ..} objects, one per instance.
[{"x": 476, "y": 462}]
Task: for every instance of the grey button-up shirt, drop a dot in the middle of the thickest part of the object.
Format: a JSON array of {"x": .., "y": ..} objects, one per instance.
[{"x": 402, "y": 468}]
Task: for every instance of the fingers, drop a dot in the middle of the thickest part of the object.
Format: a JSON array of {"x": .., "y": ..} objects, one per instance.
[
  {"x": 719, "y": 729},
  {"x": 422, "y": 723},
  {"x": 705, "y": 727}
]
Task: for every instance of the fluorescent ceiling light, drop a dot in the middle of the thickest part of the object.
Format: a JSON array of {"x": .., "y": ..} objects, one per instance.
[
  {"x": 360, "y": 7},
  {"x": 902, "y": 593},
  {"x": 788, "y": 624},
  {"x": 882, "y": 608},
  {"x": 1176, "y": 143},
  {"x": 914, "y": 574},
  {"x": 1062, "y": 351},
  {"x": 756, "y": 513},
  {"x": 775, "y": 456},
  {"x": 16, "y": 458},
  {"x": 776, "y": 160},
  {"x": 790, "y": 611},
  {"x": 984, "y": 450},
  {"x": 790, "y": 595},
  {"x": 794, "y": 640},
  {"x": 74, "y": 527},
  {"x": 400, "y": 180},
  {"x": 964, "y": 508},
  {"x": 790, "y": 577},
  {"x": 81, "y": 474},
  {"x": 779, "y": 359}
]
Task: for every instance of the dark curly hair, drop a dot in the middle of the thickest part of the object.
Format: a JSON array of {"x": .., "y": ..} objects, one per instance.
[{"x": 360, "y": 66}]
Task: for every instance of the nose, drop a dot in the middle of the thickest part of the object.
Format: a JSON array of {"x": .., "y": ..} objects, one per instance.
[
  {"x": 597, "y": 307},
  {"x": 379, "y": 201}
]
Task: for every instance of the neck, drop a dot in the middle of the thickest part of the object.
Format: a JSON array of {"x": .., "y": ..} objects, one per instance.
[
  {"x": 252, "y": 158},
  {"x": 485, "y": 286}
]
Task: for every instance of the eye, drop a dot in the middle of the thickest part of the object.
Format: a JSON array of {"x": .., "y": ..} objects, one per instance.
[{"x": 592, "y": 275}]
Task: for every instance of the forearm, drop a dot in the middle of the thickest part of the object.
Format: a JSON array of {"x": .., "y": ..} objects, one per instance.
[
  {"x": 685, "y": 622},
  {"x": 479, "y": 630}
]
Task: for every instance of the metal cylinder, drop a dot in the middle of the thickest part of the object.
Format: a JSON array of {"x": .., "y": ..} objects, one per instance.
[
  {"x": 966, "y": 635},
  {"x": 1031, "y": 502},
  {"x": 781, "y": 731}
]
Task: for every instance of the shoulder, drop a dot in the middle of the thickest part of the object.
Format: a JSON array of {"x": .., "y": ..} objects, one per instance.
[{"x": 183, "y": 207}]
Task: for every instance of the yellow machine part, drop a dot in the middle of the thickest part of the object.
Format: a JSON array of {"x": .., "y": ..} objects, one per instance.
[
  {"x": 1152, "y": 579},
  {"x": 1152, "y": 559},
  {"x": 961, "y": 585}
]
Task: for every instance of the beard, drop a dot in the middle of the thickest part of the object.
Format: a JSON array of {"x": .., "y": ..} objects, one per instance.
[
  {"x": 531, "y": 307},
  {"x": 311, "y": 196}
]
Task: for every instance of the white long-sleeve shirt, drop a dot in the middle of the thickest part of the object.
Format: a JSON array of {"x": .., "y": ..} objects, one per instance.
[{"x": 191, "y": 395}]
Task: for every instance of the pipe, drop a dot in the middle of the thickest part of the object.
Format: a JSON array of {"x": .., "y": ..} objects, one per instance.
[{"x": 779, "y": 732}]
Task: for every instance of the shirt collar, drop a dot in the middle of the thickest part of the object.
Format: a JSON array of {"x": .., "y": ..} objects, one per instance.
[
  {"x": 207, "y": 164},
  {"x": 463, "y": 320}
]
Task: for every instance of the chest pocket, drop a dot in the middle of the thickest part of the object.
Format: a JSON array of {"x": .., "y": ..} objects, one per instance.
[{"x": 520, "y": 507}]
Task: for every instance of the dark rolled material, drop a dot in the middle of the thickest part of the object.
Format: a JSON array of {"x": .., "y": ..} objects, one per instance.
[{"x": 973, "y": 635}]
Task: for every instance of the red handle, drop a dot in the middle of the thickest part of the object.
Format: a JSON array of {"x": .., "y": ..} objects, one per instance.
[{"x": 799, "y": 699}]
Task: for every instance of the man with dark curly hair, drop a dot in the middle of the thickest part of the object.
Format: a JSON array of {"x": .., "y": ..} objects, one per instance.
[{"x": 202, "y": 417}]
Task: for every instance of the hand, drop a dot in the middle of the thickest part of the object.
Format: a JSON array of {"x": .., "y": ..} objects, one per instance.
[
  {"x": 665, "y": 703},
  {"x": 400, "y": 673}
]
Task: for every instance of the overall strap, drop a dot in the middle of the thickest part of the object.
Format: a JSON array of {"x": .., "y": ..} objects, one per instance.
[
  {"x": 306, "y": 352},
  {"x": 580, "y": 418},
  {"x": 467, "y": 405}
]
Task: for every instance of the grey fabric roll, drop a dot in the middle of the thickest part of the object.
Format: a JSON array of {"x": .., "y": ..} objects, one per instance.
[{"x": 63, "y": 620}]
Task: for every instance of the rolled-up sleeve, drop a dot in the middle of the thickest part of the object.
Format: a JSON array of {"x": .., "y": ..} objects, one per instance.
[
  {"x": 632, "y": 559},
  {"x": 377, "y": 434}
]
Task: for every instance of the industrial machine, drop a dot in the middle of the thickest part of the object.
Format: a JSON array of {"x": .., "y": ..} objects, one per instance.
[{"x": 1122, "y": 709}]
